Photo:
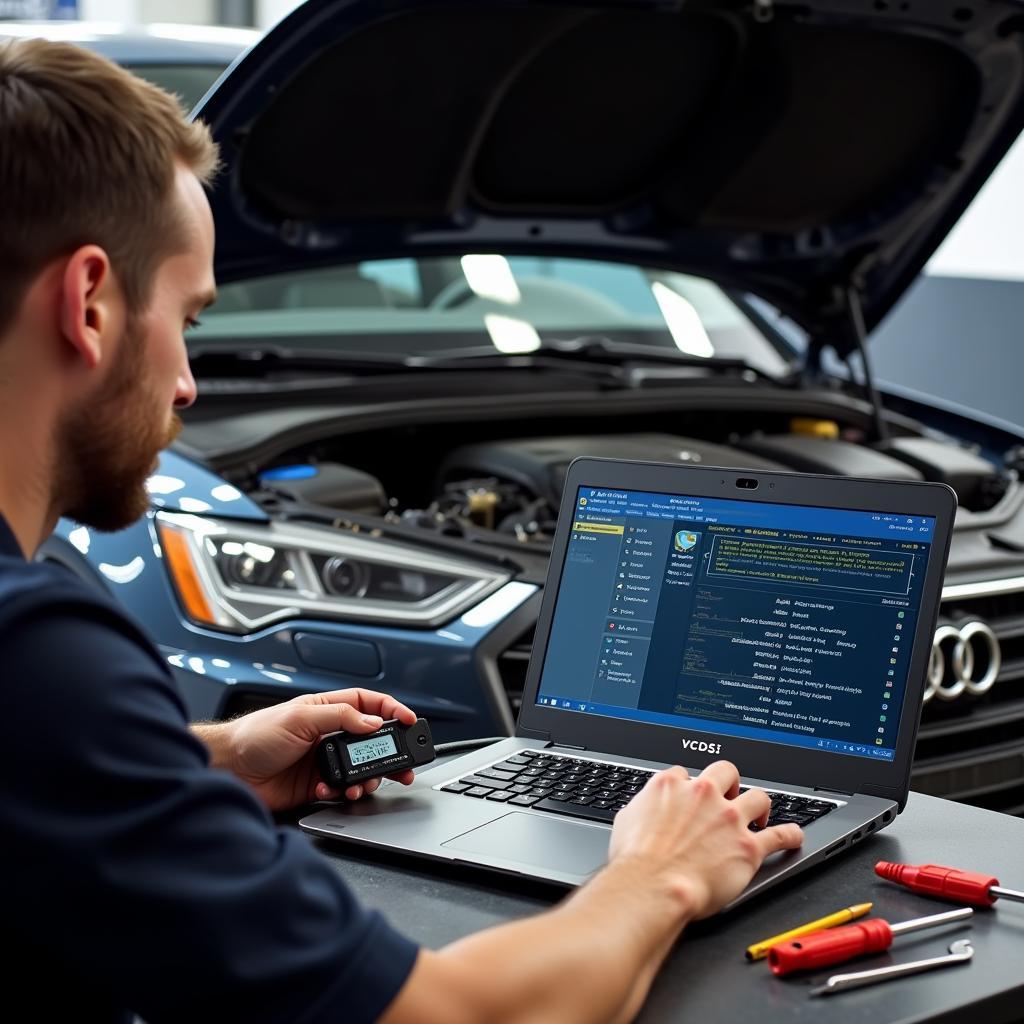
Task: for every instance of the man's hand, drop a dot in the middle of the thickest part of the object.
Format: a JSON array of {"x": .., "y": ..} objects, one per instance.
[
  {"x": 693, "y": 832},
  {"x": 273, "y": 750},
  {"x": 680, "y": 850}
]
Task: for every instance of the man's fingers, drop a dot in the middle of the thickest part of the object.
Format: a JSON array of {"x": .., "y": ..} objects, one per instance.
[
  {"x": 406, "y": 777},
  {"x": 369, "y": 702},
  {"x": 392, "y": 708},
  {"x": 325, "y": 792},
  {"x": 725, "y": 776},
  {"x": 755, "y": 804},
  {"x": 349, "y": 696},
  {"x": 315, "y": 720},
  {"x": 675, "y": 770},
  {"x": 779, "y": 837},
  {"x": 327, "y": 718}
]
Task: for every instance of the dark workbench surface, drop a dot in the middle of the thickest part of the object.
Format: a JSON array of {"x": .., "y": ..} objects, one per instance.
[{"x": 706, "y": 978}]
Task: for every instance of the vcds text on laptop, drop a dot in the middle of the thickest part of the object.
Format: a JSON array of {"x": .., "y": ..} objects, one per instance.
[{"x": 781, "y": 621}]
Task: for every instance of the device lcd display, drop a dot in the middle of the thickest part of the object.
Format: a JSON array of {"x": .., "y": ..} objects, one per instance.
[
  {"x": 787, "y": 623},
  {"x": 374, "y": 749}
]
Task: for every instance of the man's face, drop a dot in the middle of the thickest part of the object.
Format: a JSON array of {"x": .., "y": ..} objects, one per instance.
[{"x": 108, "y": 446}]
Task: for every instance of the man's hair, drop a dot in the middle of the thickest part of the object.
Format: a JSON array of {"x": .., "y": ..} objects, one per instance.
[{"x": 87, "y": 156}]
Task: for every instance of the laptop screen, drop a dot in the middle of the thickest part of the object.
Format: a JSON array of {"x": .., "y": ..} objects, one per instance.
[{"x": 787, "y": 623}]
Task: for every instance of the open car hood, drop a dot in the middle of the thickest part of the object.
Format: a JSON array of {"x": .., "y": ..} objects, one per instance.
[{"x": 792, "y": 149}]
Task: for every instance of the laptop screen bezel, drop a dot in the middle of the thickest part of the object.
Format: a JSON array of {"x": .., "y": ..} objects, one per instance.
[{"x": 778, "y": 762}]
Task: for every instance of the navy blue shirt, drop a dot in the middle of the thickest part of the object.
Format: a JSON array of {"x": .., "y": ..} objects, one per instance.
[{"x": 136, "y": 878}]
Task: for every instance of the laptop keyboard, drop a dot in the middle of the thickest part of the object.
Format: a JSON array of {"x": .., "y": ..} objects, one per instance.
[{"x": 594, "y": 790}]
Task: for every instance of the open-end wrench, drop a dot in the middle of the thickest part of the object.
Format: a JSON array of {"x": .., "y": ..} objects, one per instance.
[{"x": 960, "y": 952}]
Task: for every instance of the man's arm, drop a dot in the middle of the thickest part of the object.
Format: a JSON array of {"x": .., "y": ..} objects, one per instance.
[
  {"x": 152, "y": 863},
  {"x": 591, "y": 959},
  {"x": 216, "y": 737},
  {"x": 679, "y": 852}
]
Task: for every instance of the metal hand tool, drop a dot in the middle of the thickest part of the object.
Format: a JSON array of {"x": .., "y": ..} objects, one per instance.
[
  {"x": 960, "y": 952},
  {"x": 822, "y": 949}
]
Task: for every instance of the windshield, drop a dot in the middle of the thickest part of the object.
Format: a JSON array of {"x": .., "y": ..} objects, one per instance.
[
  {"x": 187, "y": 81},
  {"x": 484, "y": 303}
]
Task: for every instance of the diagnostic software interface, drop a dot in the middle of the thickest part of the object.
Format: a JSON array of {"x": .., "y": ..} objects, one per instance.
[{"x": 786, "y": 623}]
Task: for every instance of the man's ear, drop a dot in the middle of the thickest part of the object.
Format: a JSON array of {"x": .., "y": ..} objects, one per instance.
[{"x": 90, "y": 303}]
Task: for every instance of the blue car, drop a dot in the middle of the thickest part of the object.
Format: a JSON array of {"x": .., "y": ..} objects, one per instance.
[{"x": 459, "y": 245}]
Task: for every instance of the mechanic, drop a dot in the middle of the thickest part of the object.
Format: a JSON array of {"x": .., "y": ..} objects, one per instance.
[{"x": 144, "y": 872}]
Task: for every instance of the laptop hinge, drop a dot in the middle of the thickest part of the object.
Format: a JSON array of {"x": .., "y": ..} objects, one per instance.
[
  {"x": 829, "y": 789},
  {"x": 568, "y": 746},
  {"x": 533, "y": 734}
]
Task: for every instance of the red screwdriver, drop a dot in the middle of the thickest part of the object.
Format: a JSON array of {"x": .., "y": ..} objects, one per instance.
[
  {"x": 821, "y": 949},
  {"x": 947, "y": 883}
]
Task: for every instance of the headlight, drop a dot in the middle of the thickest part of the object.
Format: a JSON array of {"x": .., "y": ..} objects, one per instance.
[{"x": 242, "y": 577}]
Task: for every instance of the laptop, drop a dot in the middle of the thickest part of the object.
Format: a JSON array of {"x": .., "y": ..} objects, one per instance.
[{"x": 781, "y": 621}]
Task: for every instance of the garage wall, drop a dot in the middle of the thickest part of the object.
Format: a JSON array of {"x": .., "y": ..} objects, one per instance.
[{"x": 959, "y": 332}]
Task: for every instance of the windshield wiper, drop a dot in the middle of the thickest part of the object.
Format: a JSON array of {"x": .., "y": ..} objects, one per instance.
[
  {"x": 593, "y": 349},
  {"x": 238, "y": 360},
  {"x": 260, "y": 364},
  {"x": 620, "y": 362}
]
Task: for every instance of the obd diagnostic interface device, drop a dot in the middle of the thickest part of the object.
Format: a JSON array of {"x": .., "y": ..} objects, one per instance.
[{"x": 346, "y": 758}]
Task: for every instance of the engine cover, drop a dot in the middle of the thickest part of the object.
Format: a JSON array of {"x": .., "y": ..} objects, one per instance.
[
  {"x": 822, "y": 455},
  {"x": 327, "y": 483},
  {"x": 539, "y": 465}
]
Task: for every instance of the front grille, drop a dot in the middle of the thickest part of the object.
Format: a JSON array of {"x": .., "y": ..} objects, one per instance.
[{"x": 971, "y": 749}]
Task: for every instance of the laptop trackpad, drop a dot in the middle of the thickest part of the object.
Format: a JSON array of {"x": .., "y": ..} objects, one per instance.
[{"x": 540, "y": 842}]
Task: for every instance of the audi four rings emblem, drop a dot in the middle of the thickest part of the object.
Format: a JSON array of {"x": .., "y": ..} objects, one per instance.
[{"x": 964, "y": 658}]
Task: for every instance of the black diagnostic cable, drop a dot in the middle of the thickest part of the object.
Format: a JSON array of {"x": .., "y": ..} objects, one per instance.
[{"x": 461, "y": 746}]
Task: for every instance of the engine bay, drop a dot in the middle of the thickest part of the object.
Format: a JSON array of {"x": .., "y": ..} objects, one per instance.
[{"x": 507, "y": 491}]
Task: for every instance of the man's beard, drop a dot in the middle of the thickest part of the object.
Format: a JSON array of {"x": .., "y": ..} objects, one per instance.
[{"x": 106, "y": 451}]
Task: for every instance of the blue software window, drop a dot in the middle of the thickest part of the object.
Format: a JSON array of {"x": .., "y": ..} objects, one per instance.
[{"x": 786, "y": 623}]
